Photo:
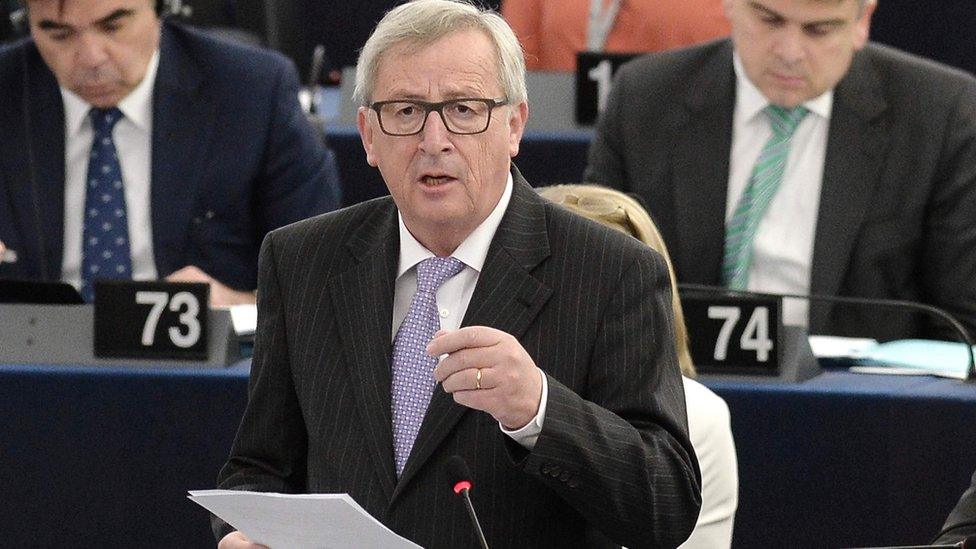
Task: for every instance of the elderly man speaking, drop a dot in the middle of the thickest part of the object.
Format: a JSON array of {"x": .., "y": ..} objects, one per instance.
[{"x": 465, "y": 315}]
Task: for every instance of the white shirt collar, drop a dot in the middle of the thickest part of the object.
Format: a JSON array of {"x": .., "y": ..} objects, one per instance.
[
  {"x": 137, "y": 106},
  {"x": 472, "y": 251},
  {"x": 749, "y": 101}
]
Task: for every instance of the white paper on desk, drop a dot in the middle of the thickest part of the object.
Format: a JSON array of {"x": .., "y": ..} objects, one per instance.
[
  {"x": 917, "y": 357},
  {"x": 300, "y": 521},
  {"x": 245, "y": 319},
  {"x": 840, "y": 347},
  {"x": 903, "y": 371}
]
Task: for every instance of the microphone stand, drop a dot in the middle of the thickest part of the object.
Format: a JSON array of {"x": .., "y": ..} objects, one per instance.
[{"x": 474, "y": 518}]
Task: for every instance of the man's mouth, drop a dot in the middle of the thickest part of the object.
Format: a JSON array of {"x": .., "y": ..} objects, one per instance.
[
  {"x": 434, "y": 180},
  {"x": 789, "y": 79}
]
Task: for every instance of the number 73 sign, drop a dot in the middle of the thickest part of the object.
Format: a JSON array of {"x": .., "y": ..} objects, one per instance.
[{"x": 152, "y": 320}]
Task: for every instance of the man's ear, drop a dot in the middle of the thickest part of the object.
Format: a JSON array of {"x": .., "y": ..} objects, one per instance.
[
  {"x": 519, "y": 114},
  {"x": 727, "y": 6},
  {"x": 366, "y": 134},
  {"x": 863, "y": 24}
]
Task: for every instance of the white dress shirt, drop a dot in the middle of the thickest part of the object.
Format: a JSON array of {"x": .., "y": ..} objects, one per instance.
[
  {"x": 454, "y": 295},
  {"x": 782, "y": 251},
  {"x": 133, "y": 142}
]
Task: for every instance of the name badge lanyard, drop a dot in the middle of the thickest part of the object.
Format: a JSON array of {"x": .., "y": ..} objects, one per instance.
[{"x": 600, "y": 23}]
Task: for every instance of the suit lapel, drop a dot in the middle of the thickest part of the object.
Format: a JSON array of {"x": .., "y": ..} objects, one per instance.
[
  {"x": 700, "y": 160},
  {"x": 363, "y": 303},
  {"x": 183, "y": 119},
  {"x": 856, "y": 141},
  {"x": 507, "y": 297},
  {"x": 43, "y": 126}
]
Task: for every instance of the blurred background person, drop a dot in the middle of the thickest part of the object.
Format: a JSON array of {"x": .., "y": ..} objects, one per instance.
[
  {"x": 552, "y": 32},
  {"x": 708, "y": 415},
  {"x": 139, "y": 148},
  {"x": 799, "y": 158}
]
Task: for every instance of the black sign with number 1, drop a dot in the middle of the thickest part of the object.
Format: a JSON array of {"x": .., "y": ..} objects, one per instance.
[
  {"x": 151, "y": 320},
  {"x": 594, "y": 76}
]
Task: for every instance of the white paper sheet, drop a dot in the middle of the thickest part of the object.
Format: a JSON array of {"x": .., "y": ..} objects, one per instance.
[
  {"x": 245, "y": 319},
  {"x": 300, "y": 521},
  {"x": 840, "y": 347}
]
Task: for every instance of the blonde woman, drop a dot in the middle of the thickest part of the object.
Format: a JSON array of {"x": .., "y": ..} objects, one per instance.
[{"x": 708, "y": 415}]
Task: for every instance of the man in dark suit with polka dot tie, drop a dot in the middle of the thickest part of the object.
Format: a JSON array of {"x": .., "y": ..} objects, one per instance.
[{"x": 201, "y": 148}]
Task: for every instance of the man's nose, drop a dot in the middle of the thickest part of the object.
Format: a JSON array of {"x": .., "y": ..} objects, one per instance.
[
  {"x": 91, "y": 50},
  {"x": 435, "y": 137},
  {"x": 791, "y": 45}
]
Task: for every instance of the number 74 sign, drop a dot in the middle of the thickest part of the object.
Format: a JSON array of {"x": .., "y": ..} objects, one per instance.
[{"x": 733, "y": 334}]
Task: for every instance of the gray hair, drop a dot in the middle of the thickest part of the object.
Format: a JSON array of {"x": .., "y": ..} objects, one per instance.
[{"x": 422, "y": 22}]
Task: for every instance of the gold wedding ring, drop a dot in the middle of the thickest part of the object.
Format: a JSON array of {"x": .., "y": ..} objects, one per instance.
[{"x": 477, "y": 379}]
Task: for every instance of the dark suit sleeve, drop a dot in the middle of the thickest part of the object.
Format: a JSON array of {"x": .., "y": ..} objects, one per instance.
[
  {"x": 620, "y": 454},
  {"x": 299, "y": 174},
  {"x": 269, "y": 449},
  {"x": 605, "y": 165},
  {"x": 948, "y": 266},
  {"x": 962, "y": 520}
]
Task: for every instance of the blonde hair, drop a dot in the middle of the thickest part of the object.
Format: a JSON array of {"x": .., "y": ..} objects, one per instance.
[
  {"x": 621, "y": 212},
  {"x": 420, "y": 23}
]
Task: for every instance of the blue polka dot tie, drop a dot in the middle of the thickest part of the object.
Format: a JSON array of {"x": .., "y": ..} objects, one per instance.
[
  {"x": 413, "y": 369},
  {"x": 105, "y": 246}
]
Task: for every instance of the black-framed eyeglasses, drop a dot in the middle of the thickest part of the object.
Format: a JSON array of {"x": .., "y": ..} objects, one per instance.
[{"x": 464, "y": 116}]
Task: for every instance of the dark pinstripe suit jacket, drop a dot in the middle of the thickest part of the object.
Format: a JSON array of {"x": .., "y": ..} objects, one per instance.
[{"x": 592, "y": 308}]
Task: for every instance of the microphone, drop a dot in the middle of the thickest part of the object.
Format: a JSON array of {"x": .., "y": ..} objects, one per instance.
[
  {"x": 315, "y": 74},
  {"x": 460, "y": 477},
  {"x": 895, "y": 304},
  {"x": 313, "y": 112}
]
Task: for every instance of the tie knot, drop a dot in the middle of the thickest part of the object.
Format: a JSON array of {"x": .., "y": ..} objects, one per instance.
[
  {"x": 103, "y": 120},
  {"x": 784, "y": 121},
  {"x": 434, "y": 271}
]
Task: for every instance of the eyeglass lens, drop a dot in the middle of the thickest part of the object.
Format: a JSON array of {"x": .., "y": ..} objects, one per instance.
[{"x": 462, "y": 116}]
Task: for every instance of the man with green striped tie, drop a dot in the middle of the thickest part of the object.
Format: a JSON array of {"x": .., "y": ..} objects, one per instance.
[{"x": 797, "y": 157}]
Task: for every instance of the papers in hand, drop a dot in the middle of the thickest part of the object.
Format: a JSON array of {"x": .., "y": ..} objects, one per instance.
[{"x": 299, "y": 520}]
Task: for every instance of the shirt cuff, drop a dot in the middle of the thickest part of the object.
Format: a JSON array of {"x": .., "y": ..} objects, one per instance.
[{"x": 526, "y": 436}]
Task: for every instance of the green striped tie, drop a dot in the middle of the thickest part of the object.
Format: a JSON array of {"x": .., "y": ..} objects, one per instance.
[{"x": 765, "y": 179}]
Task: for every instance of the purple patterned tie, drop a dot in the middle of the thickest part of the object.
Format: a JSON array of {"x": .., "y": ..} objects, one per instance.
[{"x": 413, "y": 368}]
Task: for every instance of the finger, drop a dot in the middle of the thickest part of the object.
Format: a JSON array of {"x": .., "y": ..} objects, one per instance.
[
  {"x": 183, "y": 275},
  {"x": 471, "y": 379},
  {"x": 478, "y": 357},
  {"x": 467, "y": 337},
  {"x": 190, "y": 273},
  {"x": 484, "y": 400}
]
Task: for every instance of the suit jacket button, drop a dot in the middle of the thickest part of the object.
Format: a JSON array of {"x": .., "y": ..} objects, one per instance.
[
  {"x": 545, "y": 469},
  {"x": 565, "y": 476},
  {"x": 573, "y": 483},
  {"x": 554, "y": 471}
]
